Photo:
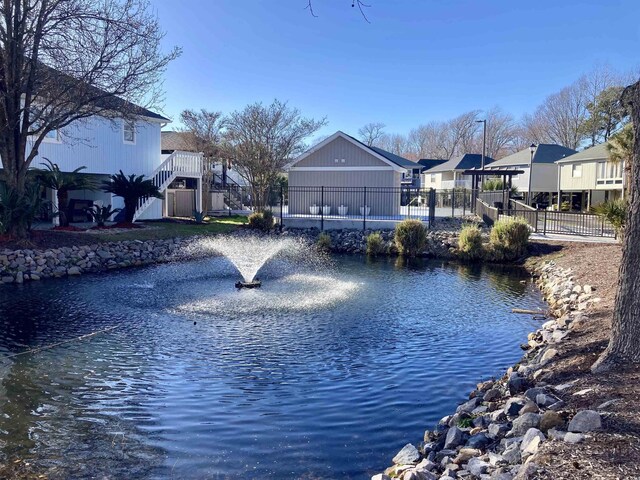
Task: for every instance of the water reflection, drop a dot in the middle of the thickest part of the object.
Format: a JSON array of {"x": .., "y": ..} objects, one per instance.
[{"x": 318, "y": 374}]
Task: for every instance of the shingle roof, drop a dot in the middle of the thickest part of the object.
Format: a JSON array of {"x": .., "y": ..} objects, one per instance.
[
  {"x": 392, "y": 157},
  {"x": 462, "y": 162},
  {"x": 428, "y": 163},
  {"x": 544, "y": 153},
  {"x": 171, "y": 140},
  {"x": 598, "y": 152}
]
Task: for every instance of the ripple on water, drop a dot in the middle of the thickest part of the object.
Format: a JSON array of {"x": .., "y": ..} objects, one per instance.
[{"x": 322, "y": 373}]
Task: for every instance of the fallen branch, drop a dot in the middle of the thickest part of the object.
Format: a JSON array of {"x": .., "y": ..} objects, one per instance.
[
  {"x": 64, "y": 342},
  {"x": 528, "y": 312}
]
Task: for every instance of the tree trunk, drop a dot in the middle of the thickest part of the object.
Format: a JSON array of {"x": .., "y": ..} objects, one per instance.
[
  {"x": 624, "y": 344},
  {"x": 63, "y": 207},
  {"x": 130, "y": 209}
]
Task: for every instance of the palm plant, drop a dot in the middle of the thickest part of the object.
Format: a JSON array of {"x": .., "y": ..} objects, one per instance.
[
  {"x": 131, "y": 188},
  {"x": 101, "y": 214},
  {"x": 20, "y": 209},
  {"x": 615, "y": 212},
  {"x": 63, "y": 182}
]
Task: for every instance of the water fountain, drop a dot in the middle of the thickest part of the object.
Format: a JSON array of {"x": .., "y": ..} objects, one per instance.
[{"x": 250, "y": 253}]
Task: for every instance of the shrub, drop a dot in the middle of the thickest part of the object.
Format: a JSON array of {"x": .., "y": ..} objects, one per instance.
[
  {"x": 615, "y": 212},
  {"x": 261, "y": 221},
  {"x": 101, "y": 214},
  {"x": 470, "y": 242},
  {"x": 375, "y": 244},
  {"x": 510, "y": 237},
  {"x": 324, "y": 242},
  {"x": 410, "y": 237}
]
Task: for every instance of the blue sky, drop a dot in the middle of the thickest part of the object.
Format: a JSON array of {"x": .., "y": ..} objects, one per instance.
[{"x": 418, "y": 60}]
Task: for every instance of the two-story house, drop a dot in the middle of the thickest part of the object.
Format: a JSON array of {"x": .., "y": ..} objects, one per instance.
[
  {"x": 449, "y": 174},
  {"x": 105, "y": 146},
  {"x": 588, "y": 178}
]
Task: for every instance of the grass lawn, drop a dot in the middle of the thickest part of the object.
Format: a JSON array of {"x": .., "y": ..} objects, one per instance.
[{"x": 169, "y": 229}]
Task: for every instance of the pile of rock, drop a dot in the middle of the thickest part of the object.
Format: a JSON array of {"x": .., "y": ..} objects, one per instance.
[
  {"x": 440, "y": 243},
  {"x": 18, "y": 266},
  {"x": 497, "y": 433}
]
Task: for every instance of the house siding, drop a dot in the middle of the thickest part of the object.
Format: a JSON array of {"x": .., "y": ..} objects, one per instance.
[
  {"x": 97, "y": 143},
  {"x": 341, "y": 149},
  {"x": 345, "y": 188},
  {"x": 586, "y": 182}
]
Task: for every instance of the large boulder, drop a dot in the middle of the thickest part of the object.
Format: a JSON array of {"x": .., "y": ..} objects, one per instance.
[
  {"x": 585, "y": 421},
  {"x": 524, "y": 422},
  {"x": 407, "y": 455},
  {"x": 531, "y": 441},
  {"x": 455, "y": 437}
]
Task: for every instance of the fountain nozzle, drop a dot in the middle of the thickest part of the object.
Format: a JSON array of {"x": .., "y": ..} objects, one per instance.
[{"x": 252, "y": 284}]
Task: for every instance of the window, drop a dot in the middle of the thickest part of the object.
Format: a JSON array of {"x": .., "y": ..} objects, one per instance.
[
  {"x": 52, "y": 136},
  {"x": 576, "y": 170},
  {"x": 129, "y": 132},
  {"x": 433, "y": 177},
  {"x": 609, "y": 173}
]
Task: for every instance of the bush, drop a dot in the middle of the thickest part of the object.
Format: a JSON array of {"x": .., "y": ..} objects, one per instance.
[
  {"x": 324, "y": 242},
  {"x": 470, "y": 242},
  {"x": 410, "y": 237},
  {"x": 510, "y": 237},
  {"x": 261, "y": 221},
  {"x": 375, "y": 244},
  {"x": 615, "y": 212}
]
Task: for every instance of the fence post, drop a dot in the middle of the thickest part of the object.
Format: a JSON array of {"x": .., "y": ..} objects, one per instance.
[
  {"x": 322, "y": 208},
  {"x": 602, "y": 226},
  {"x": 453, "y": 202},
  {"x": 364, "y": 210},
  {"x": 408, "y": 202},
  {"x": 229, "y": 198},
  {"x": 281, "y": 207},
  {"x": 464, "y": 202},
  {"x": 544, "y": 226}
]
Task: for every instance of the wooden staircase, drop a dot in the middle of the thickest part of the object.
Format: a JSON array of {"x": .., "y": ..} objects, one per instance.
[{"x": 178, "y": 164}]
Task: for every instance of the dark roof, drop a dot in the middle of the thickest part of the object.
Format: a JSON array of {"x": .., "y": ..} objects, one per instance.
[
  {"x": 392, "y": 157},
  {"x": 461, "y": 162},
  {"x": 428, "y": 163},
  {"x": 544, "y": 153},
  {"x": 102, "y": 99}
]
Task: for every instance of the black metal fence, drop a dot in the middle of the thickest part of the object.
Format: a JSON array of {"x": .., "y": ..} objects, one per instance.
[{"x": 564, "y": 223}]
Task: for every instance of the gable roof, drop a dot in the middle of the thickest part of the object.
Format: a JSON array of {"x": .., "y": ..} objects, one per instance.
[
  {"x": 428, "y": 163},
  {"x": 597, "y": 152},
  {"x": 461, "y": 162},
  {"x": 102, "y": 98},
  {"x": 544, "y": 153},
  {"x": 397, "y": 162}
]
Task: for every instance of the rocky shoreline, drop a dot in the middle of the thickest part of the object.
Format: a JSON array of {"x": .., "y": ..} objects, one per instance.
[
  {"x": 497, "y": 433},
  {"x": 19, "y": 266}
]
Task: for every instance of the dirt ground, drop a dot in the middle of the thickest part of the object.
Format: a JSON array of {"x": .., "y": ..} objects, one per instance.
[{"x": 613, "y": 453}]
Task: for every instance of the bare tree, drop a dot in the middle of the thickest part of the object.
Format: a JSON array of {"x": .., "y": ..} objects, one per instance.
[
  {"x": 263, "y": 139},
  {"x": 395, "y": 143},
  {"x": 62, "y": 61},
  {"x": 205, "y": 133},
  {"x": 359, "y": 3},
  {"x": 625, "y": 329},
  {"x": 372, "y": 133},
  {"x": 461, "y": 134},
  {"x": 502, "y": 132},
  {"x": 561, "y": 116},
  {"x": 427, "y": 141}
]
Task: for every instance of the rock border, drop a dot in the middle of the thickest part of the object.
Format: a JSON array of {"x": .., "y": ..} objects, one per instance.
[{"x": 497, "y": 433}]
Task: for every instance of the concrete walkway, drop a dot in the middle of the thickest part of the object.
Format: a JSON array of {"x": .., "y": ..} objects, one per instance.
[{"x": 553, "y": 237}]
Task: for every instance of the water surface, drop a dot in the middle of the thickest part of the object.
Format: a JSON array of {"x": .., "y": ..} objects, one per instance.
[{"x": 318, "y": 375}]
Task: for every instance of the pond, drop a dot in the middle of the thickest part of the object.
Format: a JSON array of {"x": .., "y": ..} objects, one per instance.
[{"x": 322, "y": 373}]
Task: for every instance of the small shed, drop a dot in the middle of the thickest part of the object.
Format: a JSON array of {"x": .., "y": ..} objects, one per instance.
[{"x": 341, "y": 171}]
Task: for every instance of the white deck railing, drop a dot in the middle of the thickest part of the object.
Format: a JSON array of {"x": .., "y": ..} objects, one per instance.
[{"x": 178, "y": 164}]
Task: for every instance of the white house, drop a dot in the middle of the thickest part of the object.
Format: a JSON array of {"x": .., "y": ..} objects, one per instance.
[
  {"x": 539, "y": 182},
  {"x": 105, "y": 146},
  {"x": 588, "y": 178},
  {"x": 449, "y": 174}
]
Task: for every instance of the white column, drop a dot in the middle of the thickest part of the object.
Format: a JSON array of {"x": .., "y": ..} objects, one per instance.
[
  {"x": 54, "y": 208},
  {"x": 199, "y": 195}
]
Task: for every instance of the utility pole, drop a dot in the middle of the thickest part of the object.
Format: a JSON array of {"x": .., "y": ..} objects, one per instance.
[{"x": 484, "y": 145}]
